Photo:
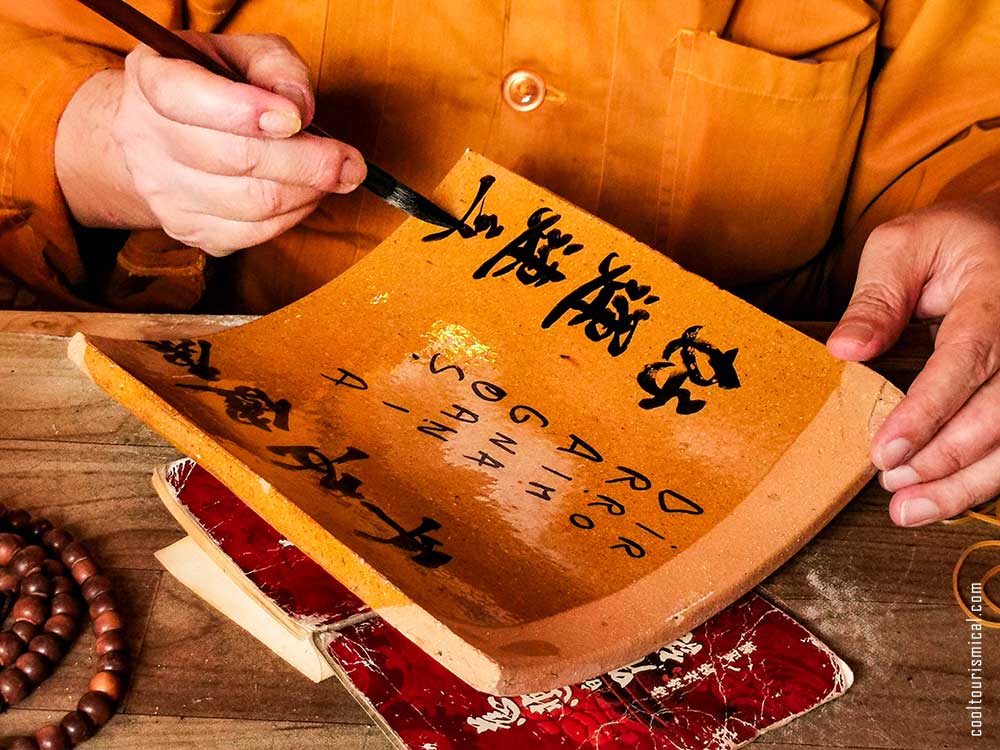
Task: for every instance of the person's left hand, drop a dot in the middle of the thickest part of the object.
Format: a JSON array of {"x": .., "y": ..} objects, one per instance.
[{"x": 939, "y": 450}]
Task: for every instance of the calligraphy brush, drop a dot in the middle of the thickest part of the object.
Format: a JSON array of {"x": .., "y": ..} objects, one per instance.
[{"x": 169, "y": 44}]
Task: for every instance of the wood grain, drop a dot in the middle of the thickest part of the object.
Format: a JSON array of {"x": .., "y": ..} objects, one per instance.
[{"x": 876, "y": 593}]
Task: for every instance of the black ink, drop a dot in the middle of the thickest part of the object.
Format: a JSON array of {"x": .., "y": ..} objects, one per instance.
[
  {"x": 636, "y": 479},
  {"x": 650, "y": 531},
  {"x": 349, "y": 379},
  {"x": 603, "y": 305},
  {"x": 483, "y": 223},
  {"x": 250, "y": 406},
  {"x": 632, "y": 549},
  {"x": 485, "y": 459},
  {"x": 581, "y": 521},
  {"x": 517, "y": 417},
  {"x": 488, "y": 391},
  {"x": 545, "y": 491},
  {"x": 530, "y": 252},
  {"x": 611, "y": 505},
  {"x": 580, "y": 447},
  {"x": 688, "y": 344},
  {"x": 435, "y": 429},
  {"x": 397, "y": 408},
  {"x": 311, "y": 458},
  {"x": 462, "y": 414},
  {"x": 549, "y": 469},
  {"x": 427, "y": 555},
  {"x": 690, "y": 506},
  {"x": 503, "y": 442},
  {"x": 435, "y": 370},
  {"x": 183, "y": 353}
]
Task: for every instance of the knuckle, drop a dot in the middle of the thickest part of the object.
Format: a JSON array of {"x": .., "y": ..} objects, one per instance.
[
  {"x": 327, "y": 168},
  {"x": 949, "y": 457},
  {"x": 975, "y": 357},
  {"x": 267, "y": 197},
  {"x": 249, "y": 155},
  {"x": 893, "y": 235},
  {"x": 877, "y": 299}
]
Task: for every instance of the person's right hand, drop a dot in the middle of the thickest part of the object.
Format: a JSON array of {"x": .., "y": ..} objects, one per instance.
[{"x": 217, "y": 165}]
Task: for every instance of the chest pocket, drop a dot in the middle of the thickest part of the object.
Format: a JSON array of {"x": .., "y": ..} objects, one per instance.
[{"x": 757, "y": 155}]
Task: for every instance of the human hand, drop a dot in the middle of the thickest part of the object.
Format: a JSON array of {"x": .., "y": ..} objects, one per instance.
[
  {"x": 939, "y": 450},
  {"x": 217, "y": 165}
]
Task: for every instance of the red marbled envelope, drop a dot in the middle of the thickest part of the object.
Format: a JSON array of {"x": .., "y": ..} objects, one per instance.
[{"x": 746, "y": 670}]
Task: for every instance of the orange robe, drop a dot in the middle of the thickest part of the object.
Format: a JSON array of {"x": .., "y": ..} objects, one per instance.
[{"x": 757, "y": 142}]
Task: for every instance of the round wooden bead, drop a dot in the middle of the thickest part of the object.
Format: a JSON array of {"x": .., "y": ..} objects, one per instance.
[
  {"x": 94, "y": 587},
  {"x": 37, "y": 584},
  {"x": 39, "y": 527},
  {"x": 62, "y": 626},
  {"x": 23, "y": 743},
  {"x": 35, "y": 666},
  {"x": 77, "y": 727},
  {"x": 18, "y": 519},
  {"x": 9, "y": 581},
  {"x": 66, "y": 604},
  {"x": 9, "y": 545},
  {"x": 15, "y": 685},
  {"x": 109, "y": 620},
  {"x": 11, "y": 647},
  {"x": 83, "y": 569},
  {"x": 24, "y": 630},
  {"x": 113, "y": 640},
  {"x": 52, "y": 737},
  {"x": 28, "y": 560},
  {"x": 102, "y": 604},
  {"x": 113, "y": 661},
  {"x": 57, "y": 539},
  {"x": 52, "y": 567},
  {"x": 97, "y": 706},
  {"x": 73, "y": 552},
  {"x": 63, "y": 585},
  {"x": 33, "y": 609},
  {"x": 111, "y": 684},
  {"x": 48, "y": 645}
]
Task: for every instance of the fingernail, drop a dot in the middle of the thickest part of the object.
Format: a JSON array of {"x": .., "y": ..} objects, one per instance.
[
  {"x": 918, "y": 511},
  {"x": 895, "y": 453},
  {"x": 900, "y": 477},
  {"x": 294, "y": 94},
  {"x": 351, "y": 175},
  {"x": 280, "y": 123},
  {"x": 860, "y": 333}
]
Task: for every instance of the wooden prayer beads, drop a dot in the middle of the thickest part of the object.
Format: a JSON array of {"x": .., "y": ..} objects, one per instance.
[{"x": 44, "y": 574}]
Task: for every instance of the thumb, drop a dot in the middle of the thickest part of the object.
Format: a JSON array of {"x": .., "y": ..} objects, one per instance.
[
  {"x": 885, "y": 293},
  {"x": 270, "y": 62}
]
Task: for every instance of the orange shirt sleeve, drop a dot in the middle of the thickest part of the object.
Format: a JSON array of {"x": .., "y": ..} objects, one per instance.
[{"x": 47, "y": 50}]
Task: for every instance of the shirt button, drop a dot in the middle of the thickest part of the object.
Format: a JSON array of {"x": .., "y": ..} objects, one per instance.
[{"x": 523, "y": 90}]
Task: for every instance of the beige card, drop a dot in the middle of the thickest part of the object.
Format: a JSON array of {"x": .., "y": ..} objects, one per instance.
[{"x": 537, "y": 447}]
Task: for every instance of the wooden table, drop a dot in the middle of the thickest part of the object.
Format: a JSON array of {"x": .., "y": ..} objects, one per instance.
[{"x": 879, "y": 595}]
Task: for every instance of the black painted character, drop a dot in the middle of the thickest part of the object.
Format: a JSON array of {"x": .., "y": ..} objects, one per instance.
[
  {"x": 311, "y": 458},
  {"x": 417, "y": 541},
  {"x": 604, "y": 305},
  {"x": 530, "y": 251},
  {"x": 689, "y": 345},
  {"x": 188, "y": 353},
  {"x": 486, "y": 224},
  {"x": 251, "y": 406}
]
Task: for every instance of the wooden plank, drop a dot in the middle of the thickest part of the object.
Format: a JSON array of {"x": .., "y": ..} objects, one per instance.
[
  {"x": 101, "y": 493},
  {"x": 912, "y": 683},
  {"x": 181, "y": 733},
  {"x": 135, "y": 590},
  {"x": 116, "y": 325},
  {"x": 196, "y": 662}
]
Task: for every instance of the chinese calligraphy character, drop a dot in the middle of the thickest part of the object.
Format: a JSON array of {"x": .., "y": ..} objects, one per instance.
[
  {"x": 604, "y": 306},
  {"x": 689, "y": 345},
  {"x": 193, "y": 355},
  {"x": 549, "y": 701},
  {"x": 624, "y": 675},
  {"x": 505, "y": 714},
  {"x": 678, "y": 649},
  {"x": 251, "y": 406},
  {"x": 311, "y": 458},
  {"x": 483, "y": 223},
  {"x": 416, "y": 540},
  {"x": 530, "y": 252}
]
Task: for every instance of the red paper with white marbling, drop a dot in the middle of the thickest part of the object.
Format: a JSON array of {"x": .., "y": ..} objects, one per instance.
[{"x": 744, "y": 671}]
